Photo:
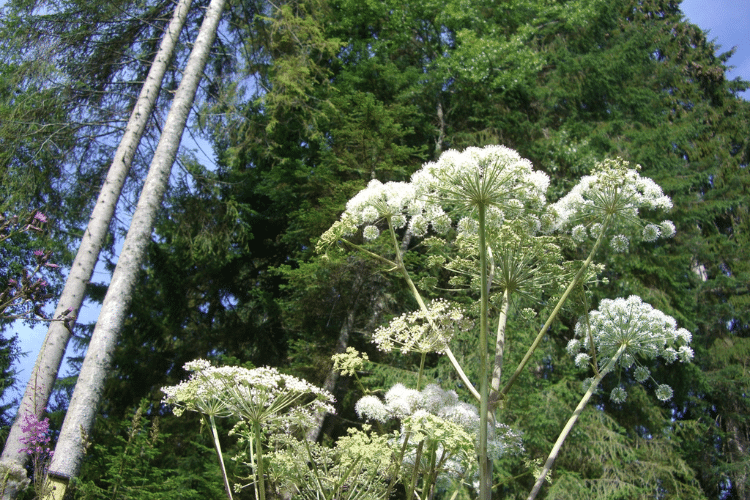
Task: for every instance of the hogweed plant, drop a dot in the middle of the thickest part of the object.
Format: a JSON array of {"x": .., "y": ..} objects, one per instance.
[
  {"x": 488, "y": 207},
  {"x": 262, "y": 398},
  {"x": 352, "y": 469},
  {"x": 439, "y": 435},
  {"x": 484, "y": 217},
  {"x": 622, "y": 334}
]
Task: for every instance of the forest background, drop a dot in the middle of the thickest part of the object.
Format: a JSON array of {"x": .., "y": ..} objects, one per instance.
[
  {"x": 300, "y": 123},
  {"x": 724, "y": 25}
]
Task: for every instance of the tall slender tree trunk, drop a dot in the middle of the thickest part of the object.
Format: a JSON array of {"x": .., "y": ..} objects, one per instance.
[
  {"x": 342, "y": 343},
  {"x": 50, "y": 356},
  {"x": 80, "y": 417}
]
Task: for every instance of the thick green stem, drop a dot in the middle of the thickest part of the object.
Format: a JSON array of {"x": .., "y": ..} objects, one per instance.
[
  {"x": 429, "y": 476},
  {"x": 485, "y": 472},
  {"x": 543, "y": 331},
  {"x": 415, "y": 473},
  {"x": 497, "y": 369},
  {"x": 251, "y": 450},
  {"x": 571, "y": 422},
  {"x": 421, "y": 370},
  {"x": 399, "y": 461},
  {"x": 215, "y": 435},
  {"x": 423, "y": 307},
  {"x": 260, "y": 480}
]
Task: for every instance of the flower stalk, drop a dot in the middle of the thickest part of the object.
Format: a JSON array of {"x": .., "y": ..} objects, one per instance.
[
  {"x": 259, "y": 474},
  {"x": 578, "y": 277},
  {"x": 423, "y": 307},
  {"x": 571, "y": 422},
  {"x": 497, "y": 370},
  {"x": 485, "y": 470},
  {"x": 217, "y": 445}
]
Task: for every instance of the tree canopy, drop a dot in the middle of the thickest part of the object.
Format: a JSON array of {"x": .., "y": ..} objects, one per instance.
[{"x": 305, "y": 102}]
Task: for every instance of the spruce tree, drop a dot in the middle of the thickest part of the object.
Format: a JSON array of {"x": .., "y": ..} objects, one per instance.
[{"x": 375, "y": 89}]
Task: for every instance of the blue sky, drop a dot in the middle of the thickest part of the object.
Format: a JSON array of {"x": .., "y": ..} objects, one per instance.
[{"x": 727, "y": 21}]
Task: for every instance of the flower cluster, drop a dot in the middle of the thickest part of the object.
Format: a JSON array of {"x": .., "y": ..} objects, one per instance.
[
  {"x": 643, "y": 331},
  {"x": 340, "y": 229},
  {"x": 493, "y": 176},
  {"x": 402, "y": 403},
  {"x": 380, "y": 200},
  {"x": 35, "y": 436},
  {"x": 450, "y": 445},
  {"x": 349, "y": 362},
  {"x": 24, "y": 296},
  {"x": 395, "y": 202},
  {"x": 261, "y": 395},
  {"x": 12, "y": 225},
  {"x": 521, "y": 262},
  {"x": 37, "y": 222},
  {"x": 616, "y": 193},
  {"x": 356, "y": 467},
  {"x": 423, "y": 332}
]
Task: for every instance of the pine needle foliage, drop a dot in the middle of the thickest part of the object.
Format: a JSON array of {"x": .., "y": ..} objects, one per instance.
[{"x": 136, "y": 465}]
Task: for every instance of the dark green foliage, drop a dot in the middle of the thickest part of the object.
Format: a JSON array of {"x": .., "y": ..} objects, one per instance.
[
  {"x": 341, "y": 92},
  {"x": 9, "y": 354},
  {"x": 131, "y": 461},
  {"x": 566, "y": 84}
]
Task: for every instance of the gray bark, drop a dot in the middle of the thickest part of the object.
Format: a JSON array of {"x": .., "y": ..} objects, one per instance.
[
  {"x": 342, "y": 342},
  {"x": 79, "y": 420},
  {"x": 50, "y": 357}
]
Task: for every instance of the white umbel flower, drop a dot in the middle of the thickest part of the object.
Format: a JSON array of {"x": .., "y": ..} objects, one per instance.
[
  {"x": 490, "y": 176},
  {"x": 370, "y": 232},
  {"x": 420, "y": 332},
  {"x": 667, "y": 228},
  {"x": 260, "y": 395},
  {"x": 619, "y": 243},
  {"x": 651, "y": 232},
  {"x": 579, "y": 233},
  {"x": 617, "y": 193},
  {"x": 644, "y": 332},
  {"x": 618, "y": 395},
  {"x": 371, "y": 408}
]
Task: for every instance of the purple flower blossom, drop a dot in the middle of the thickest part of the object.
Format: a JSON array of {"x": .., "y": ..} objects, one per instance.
[
  {"x": 38, "y": 253},
  {"x": 35, "y": 435},
  {"x": 40, "y": 217}
]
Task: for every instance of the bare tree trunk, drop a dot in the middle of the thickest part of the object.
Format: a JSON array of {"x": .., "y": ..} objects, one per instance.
[
  {"x": 736, "y": 448},
  {"x": 378, "y": 305},
  {"x": 333, "y": 376},
  {"x": 341, "y": 344},
  {"x": 50, "y": 357},
  {"x": 80, "y": 417}
]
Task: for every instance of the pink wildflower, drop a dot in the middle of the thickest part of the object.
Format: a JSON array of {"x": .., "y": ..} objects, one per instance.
[{"x": 35, "y": 435}]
